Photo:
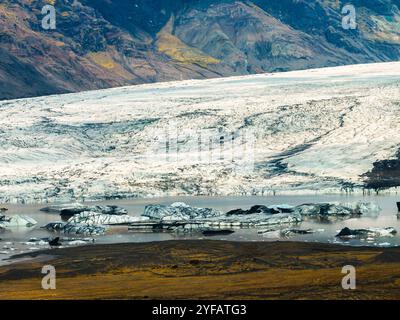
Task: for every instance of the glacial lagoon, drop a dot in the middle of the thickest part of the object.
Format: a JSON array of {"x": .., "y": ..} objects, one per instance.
[{"x": 14, "y": 240}]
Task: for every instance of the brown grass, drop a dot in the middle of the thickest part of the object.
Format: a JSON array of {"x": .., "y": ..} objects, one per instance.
[{"x": 207, "y": 270}]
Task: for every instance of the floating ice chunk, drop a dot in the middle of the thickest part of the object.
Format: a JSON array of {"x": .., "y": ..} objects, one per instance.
[
  {"x": 180, "y": 204},
  {"x": 274, "y": 234},
  {"x": 365, "y": 208},
  {"x": 282, "y": 208},
  {"x": 97, "y": 219},
  {"x": 55, "y": 226},
  {"x": 369, "y": 233},
  {"x": 36, "y": 243},
  {"x": 17, "y": 221},
  {"x": 285, "y": 232},
  {"x": 71, "y": 228},
  {"x": 256, "y": 220},
  {"x": 273, "y": 209},
  {"x": 57, "y": 208},
  {"x": 69, "y": 210},
  {"x": 339, "y": 209},
  {"x": 323, "y": 209},
  {"x": 83, "y": 229},
  {"x": 385, "y": 244},
  {"x": 382, "y": 232},
  {"x": 179, "y": 212},
  {"x": 77, "y": 242}
]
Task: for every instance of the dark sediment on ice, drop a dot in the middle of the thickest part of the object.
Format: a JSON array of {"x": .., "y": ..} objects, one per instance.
[{"x": 384, "y": 174}]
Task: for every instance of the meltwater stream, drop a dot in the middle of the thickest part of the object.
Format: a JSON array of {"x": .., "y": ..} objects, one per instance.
[{"x": 14, "y": 241}]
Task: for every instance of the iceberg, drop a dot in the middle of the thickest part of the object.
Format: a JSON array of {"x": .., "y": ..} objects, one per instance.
[
  {"x": 95, "y": 218},
  {"x": 69, "y": 210},
  {"x": 369, "y": 232},
  {"x": 179, "y": 211},
  {"x": 16, "y": 221},
  {"x": 182, "y": 216},
  {"x": 338, "y": 209},
  {"x": 69, "y": 228}
]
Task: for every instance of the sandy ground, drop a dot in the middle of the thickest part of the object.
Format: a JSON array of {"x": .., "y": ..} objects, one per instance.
[{"x": 206, "y": 270}]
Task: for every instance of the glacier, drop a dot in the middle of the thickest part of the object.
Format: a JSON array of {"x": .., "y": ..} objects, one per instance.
[{"x": 305, "y": 131}]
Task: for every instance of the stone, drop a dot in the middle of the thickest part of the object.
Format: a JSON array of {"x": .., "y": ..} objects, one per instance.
[{"x": 55, "y": 242}]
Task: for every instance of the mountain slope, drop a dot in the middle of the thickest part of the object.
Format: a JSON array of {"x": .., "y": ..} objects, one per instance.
[
  {"x": 322, "y": 130},
  {"x": 102, "y": 43}
]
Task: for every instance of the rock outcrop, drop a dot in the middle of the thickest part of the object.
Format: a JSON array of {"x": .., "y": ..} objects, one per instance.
[{"x": 134, "y": 41}]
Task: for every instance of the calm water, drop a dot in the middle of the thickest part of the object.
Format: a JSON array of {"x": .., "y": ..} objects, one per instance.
[{"x": 13, "y": 242}]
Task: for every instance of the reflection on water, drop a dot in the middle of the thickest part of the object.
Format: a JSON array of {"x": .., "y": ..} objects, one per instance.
[{"x": 13, "y": 241}]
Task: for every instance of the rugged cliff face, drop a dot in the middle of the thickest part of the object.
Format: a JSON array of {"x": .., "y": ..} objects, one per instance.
[{"x": 102, "y": 43}]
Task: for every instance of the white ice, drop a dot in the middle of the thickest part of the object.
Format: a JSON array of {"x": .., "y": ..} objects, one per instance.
[{"x": 295, "y": 132}]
